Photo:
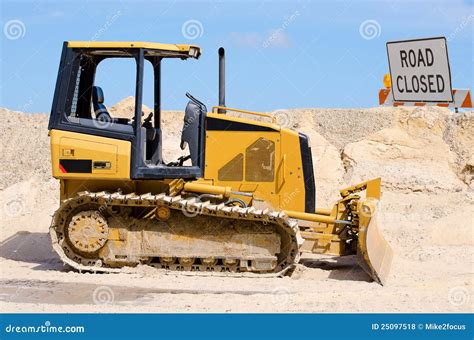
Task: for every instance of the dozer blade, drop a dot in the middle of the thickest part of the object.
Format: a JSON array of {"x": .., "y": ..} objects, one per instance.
[
  {"x": 322, "y": 230},
  {"x": 374, "y": 254}
]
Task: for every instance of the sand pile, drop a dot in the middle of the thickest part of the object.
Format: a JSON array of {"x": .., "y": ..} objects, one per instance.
[
  {"x": 172, "y": 120},
  {"x": 24, "y": 147},
  {"x": 425, "y": 157},
  {"x": 412, "y": 155},
  {"x": 412, "y": 149},
  {"x": 126, "y": 108}
]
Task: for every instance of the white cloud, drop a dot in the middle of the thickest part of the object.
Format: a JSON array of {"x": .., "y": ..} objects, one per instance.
[
  {"x": 246, "y": 39},
  {"x": 278, "y": 39}
]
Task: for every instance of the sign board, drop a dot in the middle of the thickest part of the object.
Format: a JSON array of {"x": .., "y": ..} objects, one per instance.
[{"x": 419, "y": 70}]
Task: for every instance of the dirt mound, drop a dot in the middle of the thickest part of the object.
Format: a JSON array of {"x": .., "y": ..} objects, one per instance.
[
  {"x": 339, "y": 126},
  {"x": 24, "y": 146},
  {"x": 126, "y": 109},
  {"x": 460, "y": 138},
  {"x": 413, "y": 149},
  {"x": 412, "y": 155}
]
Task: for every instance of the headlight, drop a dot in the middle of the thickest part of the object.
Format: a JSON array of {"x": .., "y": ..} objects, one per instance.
[{"x": 194, "y": 52}]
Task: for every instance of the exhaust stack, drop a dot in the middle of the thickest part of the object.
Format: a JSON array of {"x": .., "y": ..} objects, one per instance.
[{"x": 221, "y": 79}]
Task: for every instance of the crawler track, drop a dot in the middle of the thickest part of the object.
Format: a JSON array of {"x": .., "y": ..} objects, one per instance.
[{"x": 130, "y": 210}]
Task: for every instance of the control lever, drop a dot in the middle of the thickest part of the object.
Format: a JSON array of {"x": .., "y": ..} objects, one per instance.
[
  {"x": 195, "y": 101},
  {"x": 180, "y": 161},
  {"x": 147, "y": 121}
]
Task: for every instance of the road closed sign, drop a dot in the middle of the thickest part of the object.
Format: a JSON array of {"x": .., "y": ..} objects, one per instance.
[{"x": 419, "y": 70}]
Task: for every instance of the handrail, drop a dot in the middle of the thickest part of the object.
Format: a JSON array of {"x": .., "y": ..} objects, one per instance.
[{"x": 266, "y": 115}]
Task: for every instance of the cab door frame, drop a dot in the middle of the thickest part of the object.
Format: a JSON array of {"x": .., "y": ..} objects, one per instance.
[{"x": 139, "y": 169}]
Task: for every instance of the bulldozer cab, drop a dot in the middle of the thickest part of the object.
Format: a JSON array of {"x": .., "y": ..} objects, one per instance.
[{"x": 79, "y": 105}]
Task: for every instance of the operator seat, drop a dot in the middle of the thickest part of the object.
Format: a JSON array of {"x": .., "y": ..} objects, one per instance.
[
  {"x": 100, "y": 110},
  {"x": 191, "y": 127}
]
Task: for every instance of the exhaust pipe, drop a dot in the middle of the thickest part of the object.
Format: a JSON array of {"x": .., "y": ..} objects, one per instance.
[{"x": 221, "y": 79}]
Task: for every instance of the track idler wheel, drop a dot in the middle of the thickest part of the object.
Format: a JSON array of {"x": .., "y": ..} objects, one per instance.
[{"x": 87, "y": 232}]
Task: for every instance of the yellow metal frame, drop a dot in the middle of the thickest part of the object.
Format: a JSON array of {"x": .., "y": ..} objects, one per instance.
[
  {"x": 261, "y": 114},
  {"x": 132, "y": 44},
  {"x": 79, "y": 146},
  {"x": 324, "y": 226},
  {"x": 286, "y": 190}
]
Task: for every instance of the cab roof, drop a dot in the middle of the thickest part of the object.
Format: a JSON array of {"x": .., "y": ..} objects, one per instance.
[{"x": 165, "y": 50}]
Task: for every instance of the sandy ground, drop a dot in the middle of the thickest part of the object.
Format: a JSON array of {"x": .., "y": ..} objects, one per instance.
[{"x": 424, "y": 156}]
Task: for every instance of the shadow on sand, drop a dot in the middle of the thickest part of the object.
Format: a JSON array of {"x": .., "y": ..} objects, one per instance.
[
  {"x": 34, "y": 248},
  {"x": 344, "y": 268}
]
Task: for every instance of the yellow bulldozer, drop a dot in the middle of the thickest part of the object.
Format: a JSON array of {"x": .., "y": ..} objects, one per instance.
[{"x": 241, "y": 202}]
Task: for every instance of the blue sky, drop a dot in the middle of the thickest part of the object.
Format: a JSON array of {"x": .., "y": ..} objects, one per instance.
[{"x": 285, "y": 54}]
